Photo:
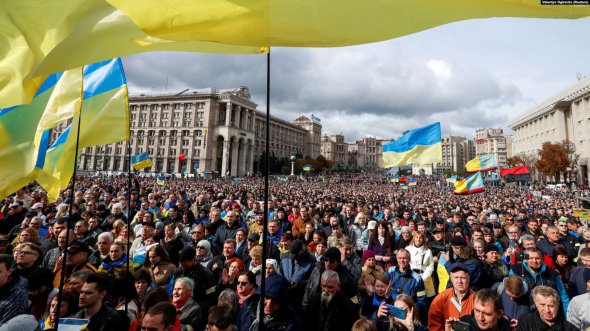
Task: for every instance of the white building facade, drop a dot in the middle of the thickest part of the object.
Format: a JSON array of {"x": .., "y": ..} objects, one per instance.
[
  {"x": 563, "y": 117},
  {"x": 219, "y": 131}
]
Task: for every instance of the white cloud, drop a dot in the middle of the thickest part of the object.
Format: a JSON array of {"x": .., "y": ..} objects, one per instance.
[{"x": 467, "y": 75}]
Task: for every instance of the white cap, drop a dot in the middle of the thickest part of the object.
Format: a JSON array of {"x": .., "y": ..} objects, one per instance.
[{"x": 372, "y": 225}]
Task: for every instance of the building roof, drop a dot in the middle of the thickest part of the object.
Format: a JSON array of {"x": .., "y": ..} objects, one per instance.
[{"x": 561, "y": 99}]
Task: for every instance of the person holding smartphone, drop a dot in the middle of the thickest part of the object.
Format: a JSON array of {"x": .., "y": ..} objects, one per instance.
[
  {"x": 487, "y": 314},
  {"x": 401, "y": 316}
]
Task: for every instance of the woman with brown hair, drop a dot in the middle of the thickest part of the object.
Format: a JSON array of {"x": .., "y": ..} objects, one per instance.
[
  {"x": 159, "y": 265},
  {"x": 381, "y": 244}
]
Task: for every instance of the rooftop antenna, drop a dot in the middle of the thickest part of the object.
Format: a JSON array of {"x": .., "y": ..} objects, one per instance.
[
  {"x": 579, "y": 75},
  {"x": 166, "y": 83}
]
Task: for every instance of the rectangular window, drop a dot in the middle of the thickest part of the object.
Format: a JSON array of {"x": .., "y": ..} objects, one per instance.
[{"x": 201, "y": 105}]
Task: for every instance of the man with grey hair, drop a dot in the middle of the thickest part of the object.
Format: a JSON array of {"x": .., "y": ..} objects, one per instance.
[
  {"x": 188, "y": 310},
  {"x": 103, "y": 244},
  {"x": 333, "y": 311},
  {"x": 546, "y": 316}
]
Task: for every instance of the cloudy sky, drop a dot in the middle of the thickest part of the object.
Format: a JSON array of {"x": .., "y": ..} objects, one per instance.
[{"x": 467, "y": 75}]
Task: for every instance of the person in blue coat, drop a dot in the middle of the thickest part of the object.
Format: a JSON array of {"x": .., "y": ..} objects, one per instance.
[
  {"x": 405, "y": 280},
  {"x": 534, "y": 272},
  {"x": 296, "y": 267}
]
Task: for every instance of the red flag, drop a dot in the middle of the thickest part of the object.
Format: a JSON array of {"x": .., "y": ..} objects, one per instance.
[
  {"x": 181, "y": 157},
  {"x": 516, "y": 174}
]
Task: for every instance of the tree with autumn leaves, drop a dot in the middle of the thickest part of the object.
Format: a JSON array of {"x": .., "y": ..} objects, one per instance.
[{"x": 556, "y": 158}]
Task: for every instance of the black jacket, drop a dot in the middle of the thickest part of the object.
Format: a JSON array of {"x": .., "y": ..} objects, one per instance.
[
  {"x": 532, "y": 321},
  {"x": 313, "y": 288},
  {"x": 503, "y": 324},
  {"x": 107, "y": 319},
  {"x": 339, "y": 314}
]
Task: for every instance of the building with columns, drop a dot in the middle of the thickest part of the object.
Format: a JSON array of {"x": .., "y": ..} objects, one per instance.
[
  {"x": 493, "y": 141},
  {"x": 334, "y": 148},
  {"x": 563, "y": 116},
  {"x": 217, "y": 130},
  {"x": 313, "y": 140}
]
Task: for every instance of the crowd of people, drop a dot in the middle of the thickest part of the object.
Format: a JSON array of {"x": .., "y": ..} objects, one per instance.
[{"x": 343, "y": 252}]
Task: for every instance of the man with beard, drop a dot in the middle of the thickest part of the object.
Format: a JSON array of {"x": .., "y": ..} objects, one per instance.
[
  {"x": 333, "y": 311},
  {"x": 101, "y": 316}
]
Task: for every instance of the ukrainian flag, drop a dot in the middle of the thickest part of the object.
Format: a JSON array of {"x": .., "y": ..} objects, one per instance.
[
  {"x": 482, "y": 163},
  {"x": 395, "y": 179},
  {"x": 419, "y": 146},
  {"x": 471, "y": 184},
  {"x": 103, "y": 118},
  {"x": 141, "y": 161},
  {"x": 160, "y": 180},
  {"x": 306, "y": 167},
  {"x": 413, "y": 182},
  {"x": 18, "y": 127},
  {"x": 452, "y": 179}
]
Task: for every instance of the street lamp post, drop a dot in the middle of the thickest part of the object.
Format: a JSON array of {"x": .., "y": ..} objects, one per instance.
[{"x": 293, "y": 158}]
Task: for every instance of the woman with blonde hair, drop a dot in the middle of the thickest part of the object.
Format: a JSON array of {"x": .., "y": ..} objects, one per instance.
[{"x": 421, "y": 262}]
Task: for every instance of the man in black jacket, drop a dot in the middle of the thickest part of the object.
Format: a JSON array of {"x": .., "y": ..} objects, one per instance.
[
  {"x": 487, "y": 313},
  {"x": 546, "y": 316},
  {"x": 102, "y": 316},
  {"x": 332, "y": 311}
]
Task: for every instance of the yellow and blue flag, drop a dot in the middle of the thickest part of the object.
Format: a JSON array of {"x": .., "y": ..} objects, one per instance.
[
  {"x": 160, "y": 180},
  {"x": 141, "y": 161},
  {"x": 395, "y": 179},
  {"x": 412, "y": 182},
  {"x": 102, "y": 119},
  {"x": 43, "y": 42},
  {"x": 471, "y": 184},
  {"x": 482, "y": 163},
  {"x": 19, "y": 126},
  {"x": 452, "y": 179},
  {"x": 307, "y": 167},
  {"x": 419, "y": 146}
]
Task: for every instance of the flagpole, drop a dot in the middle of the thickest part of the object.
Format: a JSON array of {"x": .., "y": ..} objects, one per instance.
[
  {"x": 62, "y": 278},
  {"x": 266, "y": 193},
  {"x": 128, "y": 156}
]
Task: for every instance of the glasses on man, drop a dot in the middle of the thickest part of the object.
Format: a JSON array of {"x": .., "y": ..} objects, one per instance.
[
  {"x": 200, "y": 247},
  {"x": 243, "y": 283}
]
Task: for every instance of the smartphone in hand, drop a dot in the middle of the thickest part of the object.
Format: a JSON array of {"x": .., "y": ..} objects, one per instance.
[
  {"x": 460, "y": 326},
  {"x": 396, "y": 312}
]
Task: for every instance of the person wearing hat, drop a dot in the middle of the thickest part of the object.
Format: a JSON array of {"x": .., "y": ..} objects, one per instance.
[
  {"x": 465, "y": 254},
  {"x": 297, "y": 266},
  {"x": 148, "y": 231},
  {"x": 487, "y": 313},
  {"x": 284, "y": 223},
  {"x": 495, "y": 270},
  {"x": 331, "y": 260},
  {"x": 277, "y": 311},
  {"x": 77, "y": 260},
  {"x": 578, "y": 313},
  {"x": 456, "y": 301}
]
